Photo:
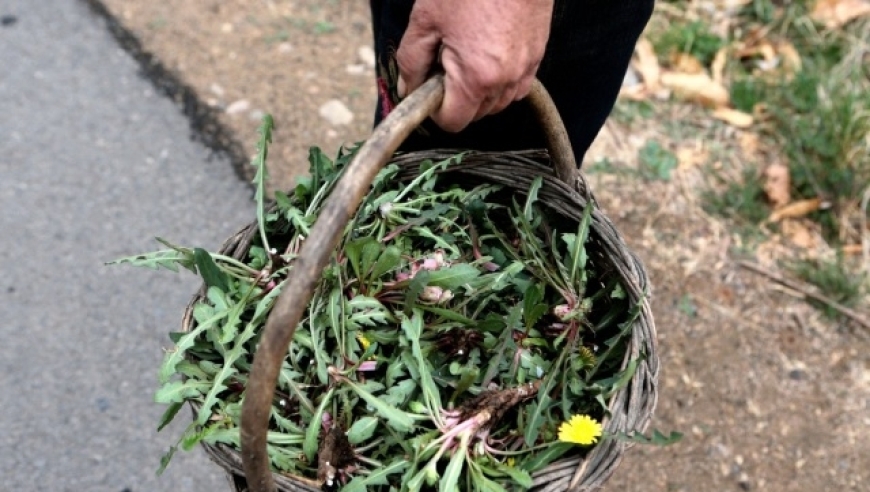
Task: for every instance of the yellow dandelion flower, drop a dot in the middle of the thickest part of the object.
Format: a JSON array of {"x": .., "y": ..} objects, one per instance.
[
  {"x": 363, "y": 341},
  {"x": 580, "y": 429},
  {"x": 588, "y": 357}
]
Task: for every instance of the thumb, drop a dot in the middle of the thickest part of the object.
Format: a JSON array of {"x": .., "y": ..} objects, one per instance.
[{"x": 415, "y": 57}]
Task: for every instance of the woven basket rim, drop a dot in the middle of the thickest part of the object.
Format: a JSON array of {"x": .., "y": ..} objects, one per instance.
[{"x": 630, "y": 409}]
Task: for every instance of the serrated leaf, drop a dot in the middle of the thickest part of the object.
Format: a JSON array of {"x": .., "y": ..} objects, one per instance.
[
  {"x": 413, "y": 329},
  {"x": 362, "y": 429},
  {"x": 320, "y": 166},
  {"x": 518, "y": 475},
  {"x": 449, "y": 315},
  {"x": 542, "y": 405},
  {"x": 262, "y": 175},
  {"x": 415, "y": 288},
  {"x": 222, "y": 435},
  {"x": 453, "y": 277},
  {"x": 192, "y": 370},
  {"x": 396, "y": 418},
  {"x": 211, "y": 398},
  {"x": 209, "y": 271},
  {"x": 387, "y": 261},
  {"x": 618, "y": 380},
  {"x": 377, "y": 477},
  {"x": 165, "y": 459},
  {"x": 337, "y": 317},
  {"x": 371, "y": 250},
  {"x": 172, "y": 358},
  {"x": 169, "y": 414},
  {"x": 395, "y": 371},
  {"x": 283, "y": 201},
  {"x": 317, "y": 328},
  {"x": 189, "y": 440},
  {"x": 169, "y": 259},
  {"x": 485, "y": 484},
  {"x": 578, "y": 254},
  {"x": 415, "y": 484},
  {"x": 657, "y": 438},
  {"x": 309, "y": 446},
  {"x": 399, "y": 393},
  {"x": 450, "y": 480},
  {"x": 533, "y": 308},
  {"x": 366, "y": 311},
  {"x": 229, "y": 369},
  {"x": 528, "y": 210},
  {"x": 614, "y": 341},
  {"x": 353, "y": 250},
  {"x": 299, "y": 220},
  {"x": 201, "y": 314},
  {"x": 468, "y": 375},
  {"x": 553, "y": 452},
  {"x": 618, "y": 292}
]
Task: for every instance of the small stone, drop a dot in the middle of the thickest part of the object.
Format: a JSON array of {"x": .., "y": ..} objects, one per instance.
[
  {"x": 631, "y": 78},
  {"x": 367, "y": 55},
  {"x": 256, "y": 114},
  {"x": 226, "y": 27},
  {"x": 239, "y": 106},
  {"x": 336, "y": 113},
  {"x": 797, "y": 374},
  {"x": 743, "y": 482},
  {"x": 216, "y": 89},
  {"x": 103, "y": 404},
  {"x": 8, "y": 20},
  {"x": 285, "y": 47},
  {"x": 356, "y": 69}
]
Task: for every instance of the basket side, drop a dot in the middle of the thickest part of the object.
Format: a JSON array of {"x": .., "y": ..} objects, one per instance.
[{"x": 630, "y": 409}]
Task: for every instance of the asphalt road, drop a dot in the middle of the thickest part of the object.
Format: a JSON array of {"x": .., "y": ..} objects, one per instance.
[{"x": 93, "y": 165}]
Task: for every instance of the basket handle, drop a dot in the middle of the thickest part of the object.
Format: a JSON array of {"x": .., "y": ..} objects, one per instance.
[{"x": 337, "y": 211}]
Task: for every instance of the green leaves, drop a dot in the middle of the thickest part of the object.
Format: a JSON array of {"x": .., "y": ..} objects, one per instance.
[
  {"x": 262, "y": 175},
  {"x": 396, "y": 418},
  {"x": 362, "y": 430},
  {"x": 378, "y": 477},
  {"x": 438, "y": 297},
  {"x": 169, "y": 259},
  {"x": 533, "y": 307},
  {"x": 656, "y": 439},
  {"x": 309, "y": 446},
  {"x": 450, "y": 480},
  {"x": 453, "y": 277},
  {"x": 180, "y": 391},
  {"x": 413, "y": 328},
  {"x": 577, "y": 248},
  {"x": 209, "y": 271}
]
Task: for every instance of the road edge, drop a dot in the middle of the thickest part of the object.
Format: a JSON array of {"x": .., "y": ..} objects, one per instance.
[{"x": 205, "y": 125}]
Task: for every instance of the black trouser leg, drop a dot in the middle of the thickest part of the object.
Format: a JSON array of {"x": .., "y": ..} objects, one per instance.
[{"x": 590, "y": 46}]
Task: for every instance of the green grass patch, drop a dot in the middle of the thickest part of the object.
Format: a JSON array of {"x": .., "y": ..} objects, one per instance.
[
  {"x": 818, "y": 118},
  {"x": 835, "y": 278},
  {"x": 693, "y": 38}
]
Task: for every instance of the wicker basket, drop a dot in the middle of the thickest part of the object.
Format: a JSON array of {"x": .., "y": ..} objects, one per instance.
[{"x": 564, "y": 192}]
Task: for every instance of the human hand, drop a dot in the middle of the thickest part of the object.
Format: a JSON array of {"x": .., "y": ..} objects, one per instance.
[{"x": 490, "y": 51}]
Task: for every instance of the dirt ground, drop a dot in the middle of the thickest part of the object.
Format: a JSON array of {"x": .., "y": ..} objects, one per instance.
[{"x": 769, "y": 394}]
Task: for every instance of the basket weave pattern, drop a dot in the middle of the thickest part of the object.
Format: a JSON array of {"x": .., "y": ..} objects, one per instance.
[{"x": 630, "y": 409}]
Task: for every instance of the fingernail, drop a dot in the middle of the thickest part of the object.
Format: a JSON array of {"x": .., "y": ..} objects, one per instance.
[{"x": 401, "y": 88}]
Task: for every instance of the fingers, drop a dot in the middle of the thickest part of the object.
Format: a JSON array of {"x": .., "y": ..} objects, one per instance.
[
  {"x": 416, "y": 55},
  {"x": 459, "y": 108}
]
